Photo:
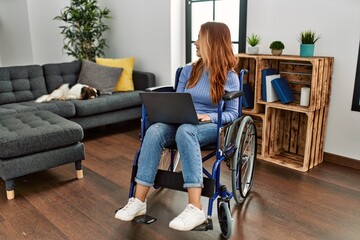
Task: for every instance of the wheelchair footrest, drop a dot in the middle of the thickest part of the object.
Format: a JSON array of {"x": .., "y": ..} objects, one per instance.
[
  {"x": 205, "y": 226},
  {"x": 145, "y": 219},
  {"x": 175, "y": 181}
]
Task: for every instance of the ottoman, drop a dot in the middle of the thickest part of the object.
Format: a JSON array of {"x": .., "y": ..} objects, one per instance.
[{"x": 36, "y": 141}]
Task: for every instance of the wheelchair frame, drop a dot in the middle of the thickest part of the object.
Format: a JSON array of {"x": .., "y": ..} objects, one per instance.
[{"x": 236, "y": 145}]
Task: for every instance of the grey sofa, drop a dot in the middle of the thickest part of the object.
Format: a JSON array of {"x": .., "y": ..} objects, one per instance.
[
  {"x": 20, "y": 86},
  {"x": 38, "y": 136}
]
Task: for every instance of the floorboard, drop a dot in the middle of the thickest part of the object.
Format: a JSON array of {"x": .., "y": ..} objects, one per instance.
[{"x": 323, "y": 203}]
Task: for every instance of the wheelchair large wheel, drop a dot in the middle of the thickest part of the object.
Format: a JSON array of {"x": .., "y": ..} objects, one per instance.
[
  {"x": 243, "y": 162},
  {"x": 225, "y": 220},
  {"x": 165, "y": 161}
]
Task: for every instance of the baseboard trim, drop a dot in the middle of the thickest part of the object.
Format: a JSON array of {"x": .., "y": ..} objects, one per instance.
[{"x": 341, "y": 160}]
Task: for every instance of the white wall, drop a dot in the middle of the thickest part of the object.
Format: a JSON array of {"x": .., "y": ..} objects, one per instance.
[
  {"x": 139, "y": 28},
  {"x": 15, "y": 40},
  {"x": 177, "y": 37},
  {"x": 338, "y": 22},
  {"x": 46, "y": 39},
  {"x": 142, "y": 29},
  {"x": 153, "y": 32}
]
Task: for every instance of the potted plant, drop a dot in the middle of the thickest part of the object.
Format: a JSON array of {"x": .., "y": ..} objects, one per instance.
[
  {"x": 253, "y": 41},
  {"x": 276, "y": 48},
  {"x": 84, "y": 27},
  {"x": 307, "y": 41}
]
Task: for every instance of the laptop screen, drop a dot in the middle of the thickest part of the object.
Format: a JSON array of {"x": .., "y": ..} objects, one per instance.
[{"x": 169, "y": 107}]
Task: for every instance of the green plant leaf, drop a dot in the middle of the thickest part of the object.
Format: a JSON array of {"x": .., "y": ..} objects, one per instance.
[
  {"x": 253, "y": 40},
  {"x": 83, "y": 32},
  {"x": 277, "y": 45},
  {"x": 308, "y": 37}
]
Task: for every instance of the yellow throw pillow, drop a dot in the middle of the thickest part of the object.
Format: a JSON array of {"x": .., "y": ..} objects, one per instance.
[{"x": 125, "y": 82}]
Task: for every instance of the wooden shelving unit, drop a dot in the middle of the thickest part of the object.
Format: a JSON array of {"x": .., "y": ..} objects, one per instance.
[{"x": 289, "y": 134}]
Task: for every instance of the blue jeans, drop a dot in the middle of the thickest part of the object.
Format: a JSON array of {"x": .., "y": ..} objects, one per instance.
[{"x": 188, "y": 139}]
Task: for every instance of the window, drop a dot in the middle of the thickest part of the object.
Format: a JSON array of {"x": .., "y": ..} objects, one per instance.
[{"x": 230, "y": 12}]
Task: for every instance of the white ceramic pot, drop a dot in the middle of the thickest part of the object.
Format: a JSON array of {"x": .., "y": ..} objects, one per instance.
[{"x": 253, "y": 50}]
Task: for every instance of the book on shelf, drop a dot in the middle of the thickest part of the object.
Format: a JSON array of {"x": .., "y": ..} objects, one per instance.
[
  {"x": 248, "y": 97},
  {"x": 283, "y": 90},
  {"x": 265, "y": 72},
  {"x": 271, "y": 95}
]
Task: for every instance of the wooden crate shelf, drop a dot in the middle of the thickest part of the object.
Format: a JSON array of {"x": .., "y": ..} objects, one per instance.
[
  {"x": 249, "y": 62},
  {"x": 289, "y": 134},
  {"x": 300, "y": 72},
  {"x": 287, "y": 160},
  {"x": 294, "y": 139},
  {"x": 259, "y": 123}
]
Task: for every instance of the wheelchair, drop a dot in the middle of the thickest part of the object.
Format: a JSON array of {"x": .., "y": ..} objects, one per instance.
[{"x": 235, "y": 145}]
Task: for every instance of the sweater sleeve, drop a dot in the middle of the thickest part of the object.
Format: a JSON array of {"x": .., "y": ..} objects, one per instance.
[
  {"x": 184, "y": 77},
  {"x": 230, "y": 112}
]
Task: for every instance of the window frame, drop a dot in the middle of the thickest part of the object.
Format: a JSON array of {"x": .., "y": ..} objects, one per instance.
[
  {"x": 188, "y": 31},
  {"x": 356, "y": 95}
]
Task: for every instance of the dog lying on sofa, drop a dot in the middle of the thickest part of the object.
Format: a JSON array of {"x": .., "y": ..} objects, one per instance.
[{"x": 66, "y": 92}]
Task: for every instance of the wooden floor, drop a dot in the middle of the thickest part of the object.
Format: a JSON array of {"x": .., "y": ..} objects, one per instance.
[{"x": 323, "y": 203}]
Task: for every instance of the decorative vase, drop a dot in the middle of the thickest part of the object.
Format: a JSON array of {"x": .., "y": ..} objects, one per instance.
[
  {"x": 253, "y": 50},
  {"x": 276, "y": 52},
  {"x": 307, "y": 50}
]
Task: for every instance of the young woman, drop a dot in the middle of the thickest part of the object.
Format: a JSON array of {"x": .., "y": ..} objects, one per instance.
[{"x": 206, "y": 80}]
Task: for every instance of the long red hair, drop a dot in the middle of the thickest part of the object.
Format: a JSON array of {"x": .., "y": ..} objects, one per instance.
[{"x": 217, "y": 57}]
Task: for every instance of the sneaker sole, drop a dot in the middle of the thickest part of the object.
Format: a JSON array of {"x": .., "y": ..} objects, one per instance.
[{"x": 181, "y": 228}]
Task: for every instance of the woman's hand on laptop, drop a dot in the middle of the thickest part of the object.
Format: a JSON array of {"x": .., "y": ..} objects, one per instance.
[{"x": 203, "y": 117}]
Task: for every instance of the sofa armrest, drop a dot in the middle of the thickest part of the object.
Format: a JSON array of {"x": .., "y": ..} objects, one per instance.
[{"x": 143, "y": 80}]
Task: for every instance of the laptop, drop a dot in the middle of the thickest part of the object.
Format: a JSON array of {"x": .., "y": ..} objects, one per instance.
[{"x": 169, "y": 107}]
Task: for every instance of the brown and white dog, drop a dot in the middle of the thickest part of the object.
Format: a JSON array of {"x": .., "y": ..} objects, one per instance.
[{"x": 67, "y": 92}]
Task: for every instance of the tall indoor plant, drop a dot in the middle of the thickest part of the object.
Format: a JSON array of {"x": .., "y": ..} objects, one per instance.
[
  {"x": 83, "y": 32},
  {"x": 307, "y": 41}
]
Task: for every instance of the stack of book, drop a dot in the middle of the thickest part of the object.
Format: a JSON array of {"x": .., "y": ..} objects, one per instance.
[{"x": 275, "y": 87}]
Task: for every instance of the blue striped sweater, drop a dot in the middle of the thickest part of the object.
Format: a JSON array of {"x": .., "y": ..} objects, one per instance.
[{"x": 201, "y": 95}]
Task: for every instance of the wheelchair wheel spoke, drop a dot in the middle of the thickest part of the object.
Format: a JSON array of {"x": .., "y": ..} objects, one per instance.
[{"x": 244, "y": 160}]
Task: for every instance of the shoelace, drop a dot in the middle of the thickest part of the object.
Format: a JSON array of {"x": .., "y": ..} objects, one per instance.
[
  {"x": 130, "y": 203},
  {"x": 187, "y": 212}
]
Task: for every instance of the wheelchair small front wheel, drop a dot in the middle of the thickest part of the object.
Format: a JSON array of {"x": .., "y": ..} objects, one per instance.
[
  {"x": 243, "y": 162},
  {"x": 225, "y": 220}
]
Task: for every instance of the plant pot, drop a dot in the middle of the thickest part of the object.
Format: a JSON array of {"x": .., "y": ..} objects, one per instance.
[
  {"x": 253, "y": 50},
  {"x": 276, "y": 52},
  {"x": 307, "y": 50}
]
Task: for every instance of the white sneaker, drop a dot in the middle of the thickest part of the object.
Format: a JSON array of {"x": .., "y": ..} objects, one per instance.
[
  {"x": 190, "y": 218},
  {"x": 133, "y": 208}
]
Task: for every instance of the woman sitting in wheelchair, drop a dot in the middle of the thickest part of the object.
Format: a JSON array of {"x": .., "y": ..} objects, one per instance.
[{"x": 206, "y": 80}]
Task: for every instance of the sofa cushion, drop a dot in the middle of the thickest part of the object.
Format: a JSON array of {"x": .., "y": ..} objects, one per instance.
[
  {"x": 57, "y": 74},
  {"x": 100, "y": 77},
  {"x": 125, "y": 82},
  {"x": 22, "y": 83},
  {"x": 62, "y": 108},
  {"x": 107, "y": 103},
  {"x": 5, "y": 111},
  {"x": 32, "y": 132}
]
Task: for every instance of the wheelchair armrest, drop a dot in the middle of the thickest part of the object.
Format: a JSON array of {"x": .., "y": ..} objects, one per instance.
[
  {"x": 167, "y": 88},
  {"x": 232, "y": 95}
]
